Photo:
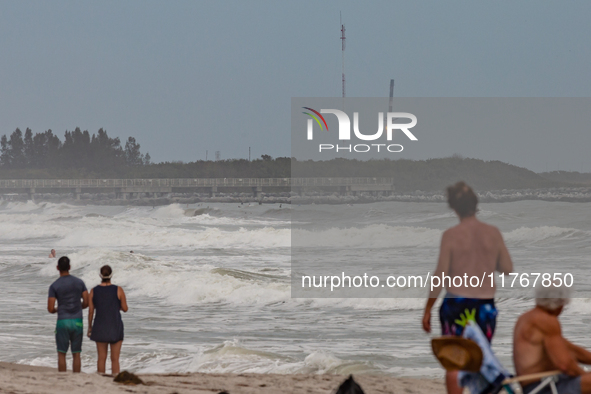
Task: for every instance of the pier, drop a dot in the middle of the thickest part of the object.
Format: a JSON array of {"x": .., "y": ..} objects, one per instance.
[{"x": 136, "y": 188}]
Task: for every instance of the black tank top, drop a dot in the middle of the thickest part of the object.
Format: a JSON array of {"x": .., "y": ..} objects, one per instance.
[{"x": 107, "y": 325}]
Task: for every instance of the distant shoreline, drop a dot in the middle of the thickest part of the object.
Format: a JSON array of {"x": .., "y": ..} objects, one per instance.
[{"x": 557, "y": 194}]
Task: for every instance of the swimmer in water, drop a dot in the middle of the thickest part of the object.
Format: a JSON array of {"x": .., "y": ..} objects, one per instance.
[{"x": 52, "y": 254}]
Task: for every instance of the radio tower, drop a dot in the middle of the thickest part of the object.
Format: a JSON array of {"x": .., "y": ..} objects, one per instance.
[
  {"x": 343, "y": 41},
  {"x": 391, "y": 95},
  {"x": 390, "y": 104}
]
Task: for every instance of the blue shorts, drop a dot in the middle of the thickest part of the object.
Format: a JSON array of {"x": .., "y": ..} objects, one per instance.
[
  {"x": 455, "y": 309},
  {"x": 69, "y": 331},
  {"x": 565, "y": 385}
]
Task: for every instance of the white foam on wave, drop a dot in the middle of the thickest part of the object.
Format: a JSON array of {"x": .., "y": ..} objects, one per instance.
[
  {"x": 176, "y": 282},
  {"x": 30, "y": 229},
  {"x": 235, "y": 357},
  {"x": 168, "y": 211},
  {"x": 104, "y": 232},
  {"x": 194, "y": 283},
  {"x": 541, "y": 233},
  {"x": 18, "y": 206},
  {"x": 75, "y": 227},
  {"x": 372, "y": 236},
  {"x": 232, "y": 356},
  {"x": 206, "y": 219},
  {"x": 427, "y": 218},
  {"x": 579, "y": 306}
]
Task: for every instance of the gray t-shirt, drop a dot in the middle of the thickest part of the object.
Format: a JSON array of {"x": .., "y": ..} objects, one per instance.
[{"x": 68, "y": 291}]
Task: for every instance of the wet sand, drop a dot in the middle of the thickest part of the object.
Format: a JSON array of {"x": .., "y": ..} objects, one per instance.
[{"x": 17, "y": 378}]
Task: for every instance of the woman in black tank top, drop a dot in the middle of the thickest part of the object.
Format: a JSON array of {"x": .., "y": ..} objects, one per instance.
[{"x": 107, "y": 329}]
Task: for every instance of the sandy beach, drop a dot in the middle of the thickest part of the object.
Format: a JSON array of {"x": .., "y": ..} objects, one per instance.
[{"x": 18, "y": 378}]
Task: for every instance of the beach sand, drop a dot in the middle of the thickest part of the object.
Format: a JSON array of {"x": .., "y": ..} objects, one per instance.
[{"x": 16, "y": 378}]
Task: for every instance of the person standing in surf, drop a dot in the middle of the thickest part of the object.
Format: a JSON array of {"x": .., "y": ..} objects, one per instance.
[
  {"x": 107, "y": 329},
  {"x": 471, "y": 248},
  {"x": 71, "y": 296}
]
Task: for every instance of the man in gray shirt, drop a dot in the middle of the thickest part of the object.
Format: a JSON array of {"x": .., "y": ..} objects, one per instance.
[{"x": 72, "y": 296}]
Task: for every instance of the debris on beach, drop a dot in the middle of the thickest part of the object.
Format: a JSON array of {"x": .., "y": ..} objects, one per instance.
[
  {"x": 349, "y": 386},
  {"x": 127, "y": 378}
]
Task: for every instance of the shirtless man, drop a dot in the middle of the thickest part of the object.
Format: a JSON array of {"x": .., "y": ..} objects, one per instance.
[
  {"x": 538, "y": 345},
  {"x": 471, "y": 248},
  {"x": 52, "y": 254}
]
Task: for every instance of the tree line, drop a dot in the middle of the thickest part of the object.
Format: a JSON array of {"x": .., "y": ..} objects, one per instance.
[
  {"x": 81, "y": 155},
  {"x": 79, "y": 150}
]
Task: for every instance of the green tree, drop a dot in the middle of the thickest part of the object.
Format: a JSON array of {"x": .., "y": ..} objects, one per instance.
[
  {"x": 28, "y": 148},
  {"x": 4, "y": 152},
  {"x": 133, "y": 156},
  {"x": 17, "y": 155},
  {"x": 107, "y": 152}
]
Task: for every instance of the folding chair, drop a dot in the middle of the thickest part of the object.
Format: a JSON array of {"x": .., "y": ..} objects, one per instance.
[
  {"x": 480, "y": 370},
  {"x": 546, "y": 378}
]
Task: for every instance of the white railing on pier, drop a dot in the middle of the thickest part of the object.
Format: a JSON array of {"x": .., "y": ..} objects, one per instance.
[{"x": 189, "y": 182}]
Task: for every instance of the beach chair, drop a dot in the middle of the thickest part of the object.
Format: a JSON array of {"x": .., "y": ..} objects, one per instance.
[{"x": 480, "y": 370}]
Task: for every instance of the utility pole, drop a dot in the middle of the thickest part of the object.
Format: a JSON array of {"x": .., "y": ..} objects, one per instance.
[{"x": 249, "y": 153}]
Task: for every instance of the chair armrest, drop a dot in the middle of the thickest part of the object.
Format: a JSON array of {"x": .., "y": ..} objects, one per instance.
[{"x": 532, "y": 376}]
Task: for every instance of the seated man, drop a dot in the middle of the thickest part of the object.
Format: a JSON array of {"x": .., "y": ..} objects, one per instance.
[{"x": 538, "y": 345}]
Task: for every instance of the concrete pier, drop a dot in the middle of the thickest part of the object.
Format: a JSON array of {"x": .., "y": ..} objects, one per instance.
[{"x": 129, "y": 188}]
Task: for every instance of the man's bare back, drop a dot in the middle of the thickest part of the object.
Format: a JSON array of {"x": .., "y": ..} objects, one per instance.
[
  {"x": 470, "y": 249},
  {"x": 473, "y": 248}
]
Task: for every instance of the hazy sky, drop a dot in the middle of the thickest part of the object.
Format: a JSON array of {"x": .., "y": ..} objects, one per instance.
[{"x": 186, "y": 77}]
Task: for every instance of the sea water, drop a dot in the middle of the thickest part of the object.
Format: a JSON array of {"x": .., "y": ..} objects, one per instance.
[{"x": 208, "y": 285}]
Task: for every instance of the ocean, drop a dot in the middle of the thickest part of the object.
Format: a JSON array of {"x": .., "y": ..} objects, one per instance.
[{"x": 208, "y": 285}]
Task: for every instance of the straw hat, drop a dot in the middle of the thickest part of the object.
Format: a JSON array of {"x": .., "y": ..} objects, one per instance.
[{"x": 457, "y": 353}]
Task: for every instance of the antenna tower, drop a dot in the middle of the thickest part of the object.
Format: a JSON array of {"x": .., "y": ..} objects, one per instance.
[
  {"x": 343, "y": 50},
  {"x": 391, "y": 95}
]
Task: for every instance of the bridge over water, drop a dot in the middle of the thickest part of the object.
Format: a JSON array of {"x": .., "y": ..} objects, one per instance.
[{"x": 129, "y": 188}]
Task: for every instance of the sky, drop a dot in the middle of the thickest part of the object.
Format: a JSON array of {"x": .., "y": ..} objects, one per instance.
[{"x": 186, "y": 77}]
